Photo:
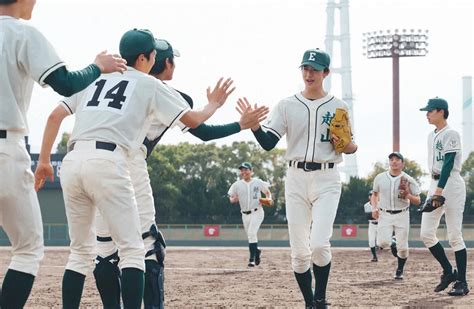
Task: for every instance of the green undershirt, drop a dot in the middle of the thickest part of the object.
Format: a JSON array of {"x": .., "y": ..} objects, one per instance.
[
  {"x": 207, "y": 132},
  {"x": 67, "y": 83},
  {"x": 446, "y": 169},
  {"x": 267, "y": 140}
]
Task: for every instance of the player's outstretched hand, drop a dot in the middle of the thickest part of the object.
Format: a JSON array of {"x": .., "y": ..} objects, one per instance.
[
  {"x": 250, "y": 117},
  {"x": 109, "y": 63},
  {"x": 43, "y": 171},
  {"x": 375, "y": 214},
  {"x": 221, "y": 91}
]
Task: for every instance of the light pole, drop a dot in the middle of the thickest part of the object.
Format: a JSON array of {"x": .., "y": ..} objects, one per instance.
[{"x": 380, "y": 44}]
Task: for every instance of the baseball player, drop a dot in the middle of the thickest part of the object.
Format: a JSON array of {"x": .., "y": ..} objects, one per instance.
[
  {"x": 110, "y": 115},
  {"x": 312, "y": 185},
  {"x": 247, "y": 192},
  {"x": 26, "y": 57},
  {"x": 393, "y": 192},
  {"x": 372, "y": 233},
  {"x": 106, "y": 272},
  {"x": 444, "y": 164}
]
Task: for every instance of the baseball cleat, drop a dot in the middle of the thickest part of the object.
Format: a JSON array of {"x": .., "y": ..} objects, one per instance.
[
  {"x": 320, "y": 304},
  {"x": 374, "y": 259},
  {"x": 446, "y": 279},
  {"x": 257, "y": 257},
  {"x": 398, "y": 274},
  {"x": 459, "y": 288},
  {"x": 251, "y": 264}
]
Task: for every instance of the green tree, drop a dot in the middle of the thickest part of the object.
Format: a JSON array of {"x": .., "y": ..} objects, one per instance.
[
  {"x": 62, "y": 145},
  {"x": 353, "y": 197},
  {"x": 412, "y": 168}
]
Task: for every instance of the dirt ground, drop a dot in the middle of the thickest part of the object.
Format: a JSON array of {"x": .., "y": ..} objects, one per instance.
[{"x": 219, "y": 278}]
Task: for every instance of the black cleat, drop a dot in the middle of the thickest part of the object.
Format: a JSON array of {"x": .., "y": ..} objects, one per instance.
[
  {"x": 257, "y": 257},
  {"x": 398, "y": 274},
  {"x": 446, "y": 279},
  {"x": 374, "y": 259},
  {"x": 459, "y": 288},
  {"x": 251, "y": 263},
  {"x": 320, "y": 304}
]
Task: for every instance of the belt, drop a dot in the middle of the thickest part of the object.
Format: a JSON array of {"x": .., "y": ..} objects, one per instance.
[
  {"x": 248, "y": 212},
  {"x": 374, "y": 222},
  {"x": 435, "y": 176},
  {"x": 393, "y": 212},
  {"x": 310, "y": 166},
  {"x": 3, "y": 134},
  {"x": 99, "y": 145}
]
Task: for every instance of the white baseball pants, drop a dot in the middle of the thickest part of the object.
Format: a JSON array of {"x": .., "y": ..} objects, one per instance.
[
  {"x": 372, "y": 234},
  {"x": 400, "y": 223},
  {"x": 252, "y": 224}
]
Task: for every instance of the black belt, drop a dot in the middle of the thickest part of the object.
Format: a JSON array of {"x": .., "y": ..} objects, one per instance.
[
  {"x": 435, "y": 176},
  {"x": 248, "y": 212},
  {"x": 393, "y": 212},
  {"x": 3, "y": 133},
  {"x": 100, "y": 145},
  {"x": 310, "y": 166},
  {"x": 374, "y": 222}
]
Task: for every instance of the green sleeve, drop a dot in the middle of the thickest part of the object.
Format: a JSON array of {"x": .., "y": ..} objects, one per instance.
[
  {"x": 267, "y": 140},
  {"x": 446, "y": 169},
  {"x": 68, "y": 83},
  {"x": 209, "y": 132}
]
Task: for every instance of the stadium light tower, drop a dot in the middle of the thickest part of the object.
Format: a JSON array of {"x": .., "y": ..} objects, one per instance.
[{"x": 380, "y": 44}]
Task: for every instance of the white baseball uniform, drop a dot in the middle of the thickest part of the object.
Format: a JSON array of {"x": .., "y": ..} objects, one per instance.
[
  {"x": 110, "y": 116},
  {"x": 394, "y": 211},
  {"x": 26, "y": 57},
  {"x": 372, "y": 231},
  {"x": 312, "y": 196},
  {"x": 248, "y": 194},
  {"x": 440, "y": 143}
]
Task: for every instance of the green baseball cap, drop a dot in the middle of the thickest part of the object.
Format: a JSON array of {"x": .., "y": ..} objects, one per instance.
[
  {"x": 396, "y": 154},
  {"x": 246, "y": 165},
  {"x": 435, "y": 103},
  {"x": 317, "y": 59},
  {"x": 165, "y": 50},
  {"x": 137, "y": 41}
]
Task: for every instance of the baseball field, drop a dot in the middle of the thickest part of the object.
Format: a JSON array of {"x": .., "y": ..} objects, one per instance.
[{"x": 217, "y": 277}]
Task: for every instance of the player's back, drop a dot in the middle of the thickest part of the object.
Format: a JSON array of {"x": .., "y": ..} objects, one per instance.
[{"x": 116, "y": 107}]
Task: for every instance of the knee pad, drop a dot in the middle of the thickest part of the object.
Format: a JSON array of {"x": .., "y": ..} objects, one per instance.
[
  {"x": 154, "y": 294},
  {"x": 159, "y": 246},
  {"x": 107, "y": 279}
]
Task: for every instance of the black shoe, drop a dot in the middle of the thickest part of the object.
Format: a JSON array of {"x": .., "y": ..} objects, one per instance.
[
  {"x": 398, "y": 274},
  {"x": 374, "y": 259},
  {"x": 257, "y": 257},
  {"x": 393, "y": 247},
  {"x": 459, "y": 288},
  {"x": 446, "y": 280},
  {"x": 320, "y": 304},
  {"x": 251, "y": 263}
]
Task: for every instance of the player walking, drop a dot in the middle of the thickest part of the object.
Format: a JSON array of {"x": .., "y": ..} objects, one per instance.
[
  {"x": 393, "y": 192},
  {"x": 247, "y": 192},
  {"x": 312, "y": 185},
  {"x": 94, "y": 175},
  {"x": 444, "y": 164},
  {"x": 372, "y": 231},
  {"x": 26, "y": 57}
]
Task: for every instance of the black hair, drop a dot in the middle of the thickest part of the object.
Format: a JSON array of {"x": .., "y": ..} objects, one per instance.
[
  {"x": 160, "y": 66},
  {"x": 445, "y": 114},
  {"x": 7, "y": 1},
  {"x": 131, "y": 60},
  {"x": 326, "y": 70}
]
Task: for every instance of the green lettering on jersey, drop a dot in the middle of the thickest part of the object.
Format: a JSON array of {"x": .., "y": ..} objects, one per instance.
[
  {"x": 326, "y": 138},
  {"x": 439, "y": 145},
  {"x": 327, "y": 118},
  {"x": 439, "y": 156}
]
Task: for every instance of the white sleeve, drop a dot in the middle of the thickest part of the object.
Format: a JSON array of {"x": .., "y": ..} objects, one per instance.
[
  {"x": 168, "y": 106},
  {"x": 376, "y": 186},
  {"x": 452, "y": 142},
  {"x": 37, "y": 56},
  {"x": 277, "y": 121},
  {"x": 69, "y": 104},
  {"x": 231, "y": 189}
]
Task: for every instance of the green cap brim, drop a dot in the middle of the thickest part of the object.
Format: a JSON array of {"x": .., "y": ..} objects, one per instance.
[
  {"x": 315, "y": 66},
  {"x": 426, "y": 109}
]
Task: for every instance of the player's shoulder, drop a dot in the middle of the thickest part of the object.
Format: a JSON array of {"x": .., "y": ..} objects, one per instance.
[
  {"x": 451, "y": 132},
  {"x": 337, "y": 102},
  {"x": 410, "y": 178}
]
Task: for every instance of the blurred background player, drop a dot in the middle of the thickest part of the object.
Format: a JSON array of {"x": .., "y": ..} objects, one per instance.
[
  {"x": 247, "y": 192},
  {"x": 372, "y": 230},
  {"x": 393, "y": 192},
  {"x": 444, "y": 164},
  {"x": 26, "y": 56}
]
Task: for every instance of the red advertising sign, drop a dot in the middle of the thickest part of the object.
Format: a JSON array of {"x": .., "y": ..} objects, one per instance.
[
  {"x": 211, "y": 230},
  {"x": 349, "y": 231}
]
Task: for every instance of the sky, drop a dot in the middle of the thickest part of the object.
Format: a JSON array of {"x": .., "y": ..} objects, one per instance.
[{"x": 260, "y": 43}]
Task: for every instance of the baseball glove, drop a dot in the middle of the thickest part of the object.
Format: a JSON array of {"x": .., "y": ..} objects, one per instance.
[
  {"x": 403, "y": 188},
  {"x": 266, "y": 201},
  {"x": 340, "y": 127},
  {"x": 432, "y": 203}
]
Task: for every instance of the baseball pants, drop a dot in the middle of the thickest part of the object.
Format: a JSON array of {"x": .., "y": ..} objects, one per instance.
[
  {"x": 372, "y": 234},
  {"x": 252, "y": 224},
  {"x": 453, "y": 209},
  {"x": 20, "y": 214},
  {"x": 145, "y": 203},
  {"x": 400, "y": 223},
  {"x": 99, "y": 180},
  {"x": 312, "y": 199}
]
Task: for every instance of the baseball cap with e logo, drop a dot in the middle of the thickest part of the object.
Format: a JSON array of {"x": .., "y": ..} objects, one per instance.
[{"x": 317, "y": 59}]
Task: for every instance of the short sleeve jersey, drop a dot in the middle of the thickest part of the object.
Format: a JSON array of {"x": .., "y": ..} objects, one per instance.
[
  {"x": 248, "y": 193},
  {"x": 306, "y": 126},
  {"x": 116, "y": 107},
  {"x": 440, "y": 143},
  {"x": 26, "y": 57},
  {"x": 387, "y": 188}
]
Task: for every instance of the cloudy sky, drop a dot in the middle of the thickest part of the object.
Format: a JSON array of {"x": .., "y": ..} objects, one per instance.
[{"x": 259, "y": 43}]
